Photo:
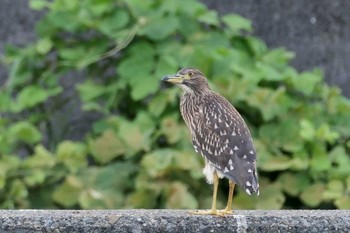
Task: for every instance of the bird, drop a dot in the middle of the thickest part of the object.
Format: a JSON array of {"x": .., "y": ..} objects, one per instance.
[{"x": 219, "y": 134}]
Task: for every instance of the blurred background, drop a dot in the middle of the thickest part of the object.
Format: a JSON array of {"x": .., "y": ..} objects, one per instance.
[{"x": 86, "y": 124}]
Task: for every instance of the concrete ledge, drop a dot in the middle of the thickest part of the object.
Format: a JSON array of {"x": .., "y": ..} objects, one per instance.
[{"x": 154, "y": 221}]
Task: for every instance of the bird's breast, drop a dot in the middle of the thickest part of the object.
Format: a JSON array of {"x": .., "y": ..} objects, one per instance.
[{"x": 191, "y": 111}]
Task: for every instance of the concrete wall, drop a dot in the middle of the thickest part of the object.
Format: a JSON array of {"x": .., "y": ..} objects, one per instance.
[
  {"x": 317, "y": 30},
  {"x": 161, "y": 221}
]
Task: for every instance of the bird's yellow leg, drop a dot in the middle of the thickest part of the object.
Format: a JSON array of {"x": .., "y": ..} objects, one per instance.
[
  {"x": 228, "y": 209},
  {"x": 213, "y": 210}
]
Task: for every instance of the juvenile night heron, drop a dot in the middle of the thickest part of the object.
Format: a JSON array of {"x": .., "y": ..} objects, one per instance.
[{"x": 219, "y": 134}]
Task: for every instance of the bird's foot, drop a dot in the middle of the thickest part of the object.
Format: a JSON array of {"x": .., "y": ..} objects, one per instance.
[
  {"x": 207, "y": 212},
  {"x": 226, "y": 211}
]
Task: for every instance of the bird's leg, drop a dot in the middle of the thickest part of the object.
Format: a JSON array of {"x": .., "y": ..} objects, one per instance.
[
  {"x": 215, "y": 192},
  {"x": 228, "y": 209},
  {"x": 213, "y": 210}
]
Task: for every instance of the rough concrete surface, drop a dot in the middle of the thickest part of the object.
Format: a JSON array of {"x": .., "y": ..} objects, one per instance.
[{"x": 154, "y": 221}]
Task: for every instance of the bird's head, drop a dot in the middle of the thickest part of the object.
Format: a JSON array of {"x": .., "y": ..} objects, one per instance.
[{"x": 189, "y": 79}]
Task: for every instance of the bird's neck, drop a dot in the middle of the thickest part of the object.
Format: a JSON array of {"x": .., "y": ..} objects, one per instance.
[
  {"x": 194, "y": 97},
  {"x": 195, "y": 92}
]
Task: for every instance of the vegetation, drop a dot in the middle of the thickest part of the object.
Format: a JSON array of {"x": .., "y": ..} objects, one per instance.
[{"x": 137, "y": 154}]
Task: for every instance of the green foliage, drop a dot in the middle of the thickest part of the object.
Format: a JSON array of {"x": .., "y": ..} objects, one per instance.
[{"x": 138, "y": 154}]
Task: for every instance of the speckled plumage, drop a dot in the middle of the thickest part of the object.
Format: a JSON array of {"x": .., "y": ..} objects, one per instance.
[{"x": 218, "y": 132}]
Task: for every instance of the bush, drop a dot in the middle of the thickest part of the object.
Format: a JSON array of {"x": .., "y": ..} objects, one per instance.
[{"x": 138, "y": 154}]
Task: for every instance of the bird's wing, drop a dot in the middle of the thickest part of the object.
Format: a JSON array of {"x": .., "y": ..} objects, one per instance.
[{"x": 224, "y": 139}]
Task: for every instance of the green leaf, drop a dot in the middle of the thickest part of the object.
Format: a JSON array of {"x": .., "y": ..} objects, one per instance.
[
  {"x": 172, "y": 130},
  {"x": 307, "y": 130},
  {"x": 166, "y": 65},
  {"x": 197, "y": 56},
  {"x": 109, "y": 123},
  {"x": 106, "y": 179},
  {"x": 103, "y": 188},
  {"x": 257, "y": 46},
  {"x": 242, "y": 201},
  {"x": 268, "y": 72},
  {"x": 271, "y": 197},
  {"x": 285, "y": 136},
  {"x": 112, "y": 24},
  {"x": 67, "y": 194},
  {"x": 5, "y": 101},
  {"x": 340, "y": 161},
  {"x": 145, "y": 122},
  {"x": 142, "y": 199},
  {"x": 277, "y": 163},
  {"x": 32, "y": 95},
  {"x": 158, "y": 28},
  {"x": 144, "y": 87},
  {"x": 8, "y": 164},
  {"x": 264, "y": 154},
  {"x": 41, "y": 158},
  {"x": 65, "y": 5},
  {"x": 325, "y": 133},
  {"x": 38, "y": 4},
  {"x": 300, "y": 161},
  {"x": 293, "y": 183},
  {"x": 270, "y": 103},
  {"x": 99, "y": 7},
  {"x": 91, "y": 199},
  {"x": 178, "y": 197},
  {"x": 188, "y": 26},
  {"x": 18, "y": 190},
  {"x": 89, "y": 90},
  {"x": 236, "y": 23},
  {"x": 347, "y": 182},
  {"x": 312, "y": 196},
  {"x": 35, "y": 177},
  {"x": 210, "y": 18},
  {"x": 158, "y": 162},
  {"x": 189, "y": 161},
  {"x": 343, "y": 203},
  {"x": 279, "y": 56},
  {"x": 73, "y": 53},
  {"x": 26, "y": 132},
  {"x": 44, "y": 45},
  {"x": 190, "y": 7},
  {"x": 163, "y": 100},
  {"x": 136, "y": 71},
  {"x": 72, "y": 155},
  {"x": 93, "y": 94},
  {"x": 320, "y": 160},
  {"x": 84, "y": 54},
  {"x": 107, "y": 147},
  {"x": 134, "y": 137},
  {"x": 307, "y": 81},
  {"x": 334, "y": 190}
]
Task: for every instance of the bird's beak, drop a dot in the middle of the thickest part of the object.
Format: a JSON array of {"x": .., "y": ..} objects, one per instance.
[{"x": 175, "y": 78}]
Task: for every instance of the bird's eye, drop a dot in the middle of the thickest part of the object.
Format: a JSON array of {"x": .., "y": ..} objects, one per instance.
[{"x": 190, "y": 74}]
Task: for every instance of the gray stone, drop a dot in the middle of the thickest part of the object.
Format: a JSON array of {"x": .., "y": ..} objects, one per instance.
[{"x": 154, "y": 221}]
